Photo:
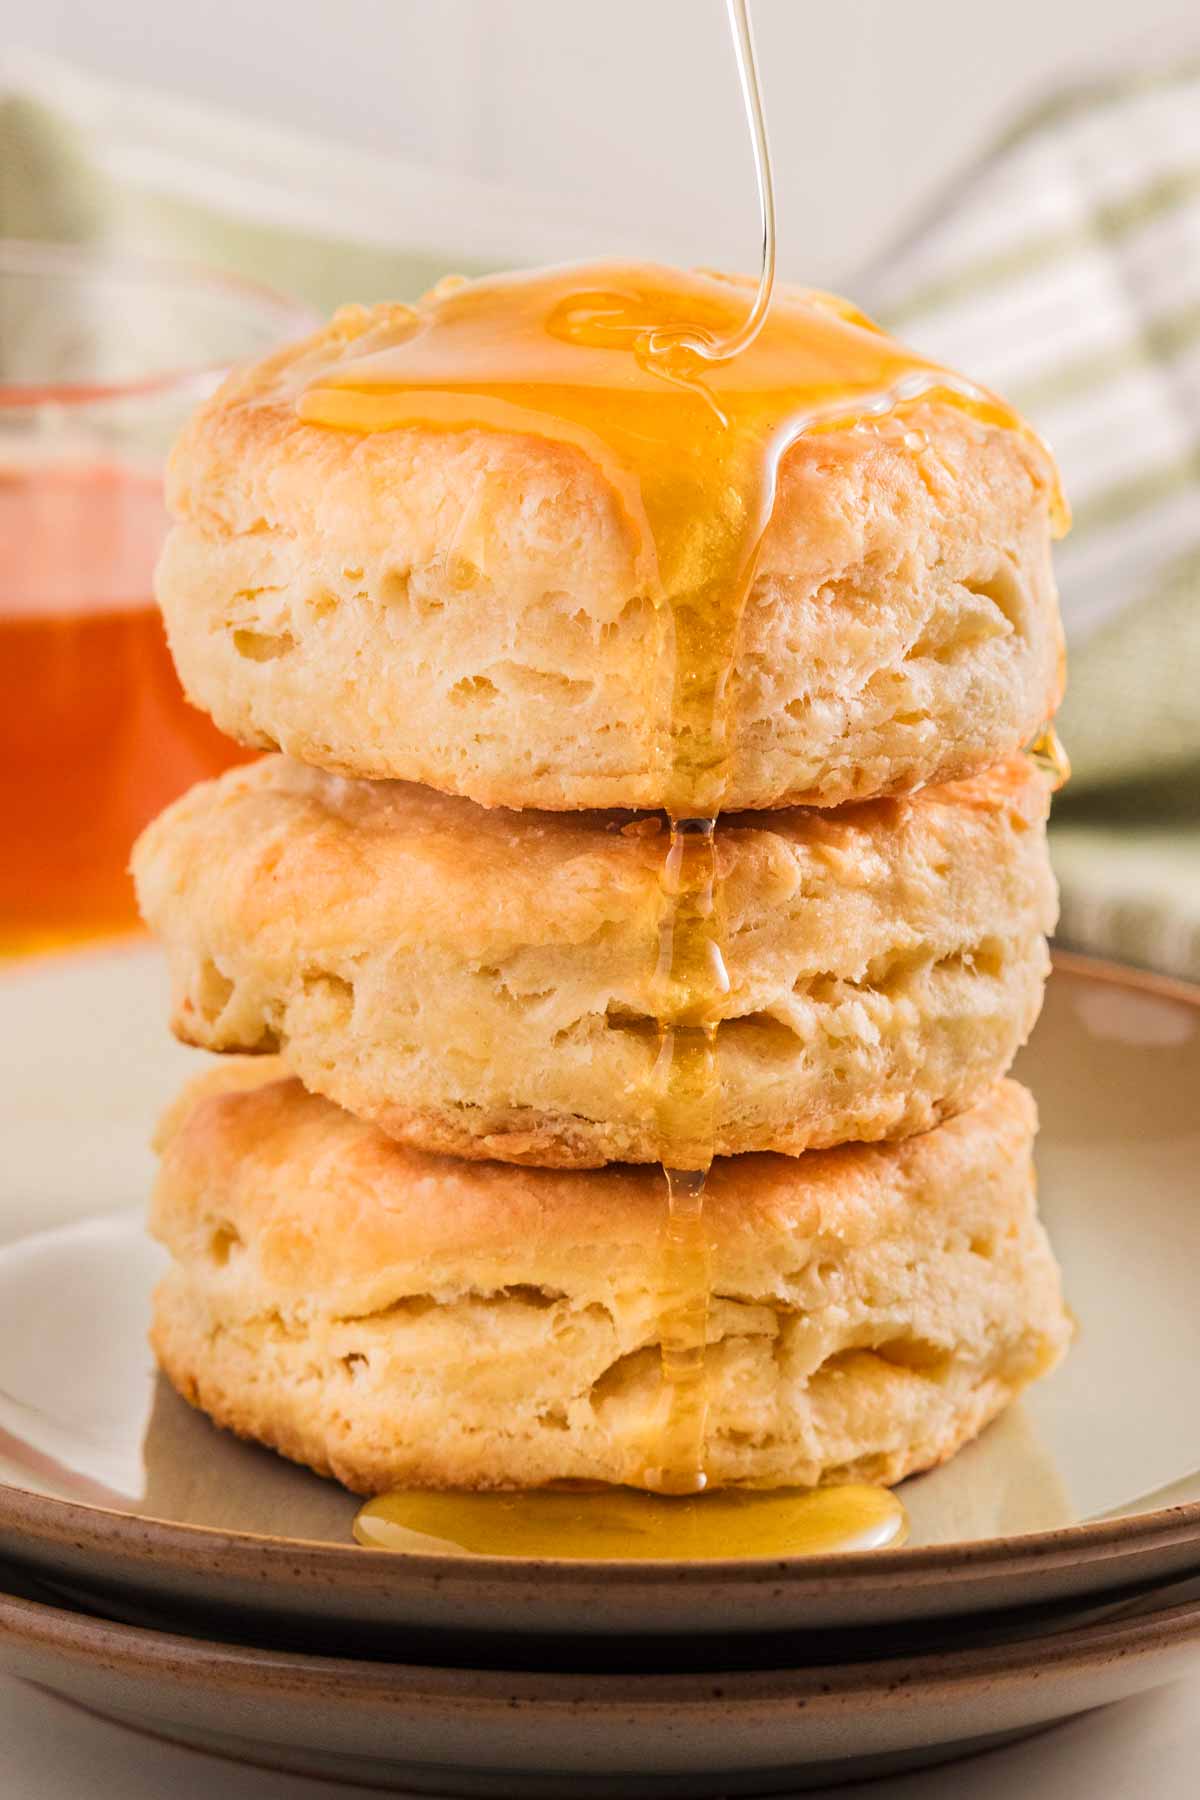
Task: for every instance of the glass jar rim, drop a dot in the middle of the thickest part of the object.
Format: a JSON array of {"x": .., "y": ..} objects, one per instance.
[{"x": 83, "y": 263}]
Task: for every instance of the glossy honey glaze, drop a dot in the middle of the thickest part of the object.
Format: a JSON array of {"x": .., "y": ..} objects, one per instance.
[
  {"x": 628, "y": 1525},
  {"x": 591, "y": 356},
  {"x": 602, "y": 358}
]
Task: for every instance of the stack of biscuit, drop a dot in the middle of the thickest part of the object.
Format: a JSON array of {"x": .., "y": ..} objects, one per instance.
[{"x": 414, "y": 1221}]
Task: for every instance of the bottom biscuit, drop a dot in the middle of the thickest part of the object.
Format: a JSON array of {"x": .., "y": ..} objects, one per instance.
[{"x": 394, "y": 1319}]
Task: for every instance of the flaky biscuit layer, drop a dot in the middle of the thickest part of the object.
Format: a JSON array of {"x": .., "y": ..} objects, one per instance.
[
  {"x": 483, "y": 982},
  {"x": 394, "y": 1318}
]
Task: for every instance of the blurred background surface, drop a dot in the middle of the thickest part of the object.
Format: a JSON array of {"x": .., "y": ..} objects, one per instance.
[
  {"x": 1016, "y": 190},
  {"x": 624, "y": 113}
]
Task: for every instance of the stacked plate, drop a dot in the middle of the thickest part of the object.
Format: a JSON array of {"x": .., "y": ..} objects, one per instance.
[{"x": 162, "y": 1573}]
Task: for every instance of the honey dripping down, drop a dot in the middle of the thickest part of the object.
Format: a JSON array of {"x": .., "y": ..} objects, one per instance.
[
  {"x": 1051, "y": 758},
  {"x": 629, "y": 365},
  {"x": 693, "y": 981}
]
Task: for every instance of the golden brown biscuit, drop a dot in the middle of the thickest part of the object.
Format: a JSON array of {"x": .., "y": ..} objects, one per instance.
[
  {"x": 394, "y": 1318},
  {"x": 483, "y": 982},
  {"x": 465, "y": 608}
]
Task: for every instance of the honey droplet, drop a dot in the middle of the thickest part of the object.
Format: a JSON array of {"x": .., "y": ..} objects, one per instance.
[
  {"x": 1050, "y": 757},
  {"x": 691, "y": 986},
  {"x": 596, "y": 358}
]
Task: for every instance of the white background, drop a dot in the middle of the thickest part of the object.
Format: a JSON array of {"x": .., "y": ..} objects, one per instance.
[{"x": 630, "y": 106}]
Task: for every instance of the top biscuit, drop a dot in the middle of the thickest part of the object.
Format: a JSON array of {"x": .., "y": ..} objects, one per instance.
[{"x": 469, "y": 608}]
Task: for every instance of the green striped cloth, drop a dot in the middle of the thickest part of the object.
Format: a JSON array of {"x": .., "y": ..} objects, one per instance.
[
  {"x": 1063, "y": 269},
  {"x": 85, "y": 159}
]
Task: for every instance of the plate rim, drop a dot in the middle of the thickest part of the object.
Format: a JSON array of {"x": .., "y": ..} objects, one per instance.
[
  {"x": 145, "y": 1541},
  {"x": 86, "y": 1637}
]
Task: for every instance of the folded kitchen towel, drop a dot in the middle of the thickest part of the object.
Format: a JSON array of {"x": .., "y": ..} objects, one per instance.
[
  {"x": 82, "y": 158},
  {"x": 1063, "y": 268}
]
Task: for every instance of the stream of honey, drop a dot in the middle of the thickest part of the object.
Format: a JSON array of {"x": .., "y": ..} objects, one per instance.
[{"x": 685, "y": 390}]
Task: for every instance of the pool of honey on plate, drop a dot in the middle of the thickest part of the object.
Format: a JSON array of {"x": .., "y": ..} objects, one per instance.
[
  {"x": 95, "y": 734},
  {"x": 628, "y": 1524}
]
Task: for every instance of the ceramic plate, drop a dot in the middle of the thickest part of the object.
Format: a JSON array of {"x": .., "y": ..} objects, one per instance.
[
  {"x": 113, "y": 1487},
  {"x": 471, "y": 1731}
]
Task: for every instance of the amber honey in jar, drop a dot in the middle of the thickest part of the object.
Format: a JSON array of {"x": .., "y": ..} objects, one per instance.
[{"x": 100, "y": 362}]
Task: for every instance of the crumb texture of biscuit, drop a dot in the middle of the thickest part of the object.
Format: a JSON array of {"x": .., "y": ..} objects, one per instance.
[
  {"x": 393, "y": 1318},
  {"x": 465, "y": 608},
  {"x": 483, "y": 983}
]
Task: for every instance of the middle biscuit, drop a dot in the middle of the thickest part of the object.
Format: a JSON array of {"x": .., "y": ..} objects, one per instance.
[{"x": 482, "y": 982}]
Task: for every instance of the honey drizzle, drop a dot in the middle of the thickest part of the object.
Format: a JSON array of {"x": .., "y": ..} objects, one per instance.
[
  {"x": 690, "y": 451},
  {"x": 685, "y": 399},
  {"x": 693, "y": 977},
  {"x": 692, "y": 983}
]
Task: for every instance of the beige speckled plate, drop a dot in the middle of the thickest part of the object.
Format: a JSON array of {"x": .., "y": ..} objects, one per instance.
[
  {"x": 111, "y": 1487},
  {"x": 473, "y": 1731}
]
